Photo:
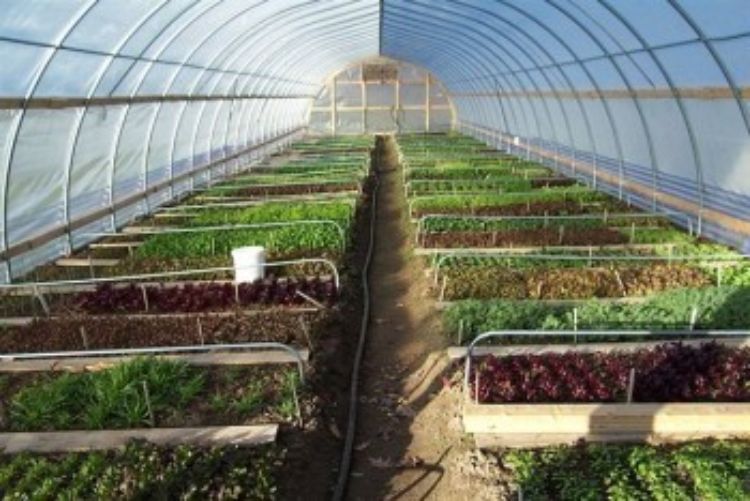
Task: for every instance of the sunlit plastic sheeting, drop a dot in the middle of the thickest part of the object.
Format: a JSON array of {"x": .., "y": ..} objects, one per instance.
[
  {"x": 381, "y": 95},
  {"x": 26, "y": 262},
  {"x": 246, "y": 56},
  {"x": 21, "y": 66},
  {"x": 653, "y": 91},
  {"x": 40, "y": 21},
  {"x": 90, "y": 232},
  {"x": 128, "y": 170},
  {"x": 91, "y": 160},
  {"x": 37, "y": 182}
]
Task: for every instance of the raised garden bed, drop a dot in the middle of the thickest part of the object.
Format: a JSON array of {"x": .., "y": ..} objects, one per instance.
[
  {"x": 695, "y": 470},
  {"x": 707, "y": 308},
  {"x": 569, "y": 236},
  {"x": 202, "y": 297},
  {"x": 280, "y": 242},
  {"x": 488, "y": 207},
  {"x": 290, "y": 189},
  {"x": 668, "y": 373},
  {"x": 341, "y": 212},
  {"x": 540, "y": 237},
  {"x": 631, "y": 221},
  {"x": 148, "y": 392},
  {"x": 83, "y": 332},
  {"x": 184, "y": 297},
  {"x": 670, "y": 392},
  {"x": 460, "y": 186},
  {"x": 480, "y": 171},
  {"x": 144, "y": 471},
  {"x": 569, "y": 283}
]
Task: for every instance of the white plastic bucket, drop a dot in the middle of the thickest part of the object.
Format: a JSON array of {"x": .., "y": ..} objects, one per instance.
[{"x": 248, "y": 263}]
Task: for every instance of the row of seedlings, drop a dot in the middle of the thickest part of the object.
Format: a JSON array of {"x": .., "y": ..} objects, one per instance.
[
  {"x": 568, "y": 304},
  {"x": 167, "y": 347}
]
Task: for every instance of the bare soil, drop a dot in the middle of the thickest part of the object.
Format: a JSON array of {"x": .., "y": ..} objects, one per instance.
[{"x": 408, "y": 432}]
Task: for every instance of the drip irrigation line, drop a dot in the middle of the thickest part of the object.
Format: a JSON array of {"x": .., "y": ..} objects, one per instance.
[{"x": 351, "y": 426}]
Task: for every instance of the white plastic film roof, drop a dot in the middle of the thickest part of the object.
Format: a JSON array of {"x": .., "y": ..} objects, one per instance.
[
  {"x": 648, "y": 97},
  {"x": 105, "y": 100}
]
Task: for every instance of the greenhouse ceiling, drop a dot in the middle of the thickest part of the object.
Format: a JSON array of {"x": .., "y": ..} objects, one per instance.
[{"x": 110, "y": 108}]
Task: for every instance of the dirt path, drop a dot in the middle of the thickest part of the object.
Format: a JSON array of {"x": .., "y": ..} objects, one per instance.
[{"x": 408, "y": 431}]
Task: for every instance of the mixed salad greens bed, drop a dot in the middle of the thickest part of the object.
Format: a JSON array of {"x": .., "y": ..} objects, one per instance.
[
  {"x": 144, "y": 471},
  {"x": 716, "y": 470},
  {"x": 670, "y": 372},
  {"x": 456, "y": 178},
  {"x": 709, "y": 308}
]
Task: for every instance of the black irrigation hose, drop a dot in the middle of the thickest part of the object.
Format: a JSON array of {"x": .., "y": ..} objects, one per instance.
[{"x": 351, "y": 425}]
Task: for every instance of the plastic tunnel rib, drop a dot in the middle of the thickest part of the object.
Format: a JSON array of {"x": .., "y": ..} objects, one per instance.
[{"x": 109, "y": 109}]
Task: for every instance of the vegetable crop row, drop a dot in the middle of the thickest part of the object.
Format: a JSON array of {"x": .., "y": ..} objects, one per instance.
[
  {"x": 710, "y": 308},
  {"x": 483, "y": 171},
  {"x": 569, "y": 283},
  {"x": 686, "y": 472},
  {"x": 202, "y": 297},
  {"x": 280, "y": 242},
  {"x": 471, "y": 223},
  {"x": 341, "y": 212},
  {"x": 146, "y": 392},
  {"x": 85, "y": 332},
  {"x": 143, "y": 471},
  {"x": 667, "y": 373},
  {"x": 285, "y": 189}
]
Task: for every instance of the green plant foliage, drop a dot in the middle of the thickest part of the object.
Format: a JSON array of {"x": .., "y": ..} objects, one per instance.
[
  {"x": 698, "y": 470},
  {"x": 143, "y": 471},
  {"x": 339, "y": 211},
  {"x": 313, "y": 177},
  {"x": 544, "y": 195},
  {"x": 113, "y": 398},
  {"x": 447, "y": 224},
  {"x": 479, "y": 171},
  {"x": 309, "y": 239},
  {"x": 500, "y": 184},
  {"x": 717, "y": 307}
]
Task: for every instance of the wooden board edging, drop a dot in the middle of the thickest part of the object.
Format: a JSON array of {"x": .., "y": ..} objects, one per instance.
[
  {"x": 459, "y": 352},
  {"x": 80, "y": 364},
  {"x": 90, "y": 440},
  {"x": 21, "y": 321},
  {"x": 542, "y": 424},
  {"x": 75, "y": 262}
]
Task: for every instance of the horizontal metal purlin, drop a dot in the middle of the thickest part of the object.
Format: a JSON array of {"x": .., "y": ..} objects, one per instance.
[
  {"x": 381, "y": 108},
  {"x": 55, "y": 103},
  {"x": 39, "y": 240},
  {"x": 663, "y": 93}
]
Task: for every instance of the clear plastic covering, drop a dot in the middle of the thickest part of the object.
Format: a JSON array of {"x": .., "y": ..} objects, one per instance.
[
  {"x": 381, "y": 95},
  {"x": 109, "y": 107},
  {"x": 104, "y": 100},
  {"x": 647, "y": 97}
]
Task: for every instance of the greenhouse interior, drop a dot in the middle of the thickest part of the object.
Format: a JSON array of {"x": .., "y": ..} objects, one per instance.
[{"x": 375, "y": 249}]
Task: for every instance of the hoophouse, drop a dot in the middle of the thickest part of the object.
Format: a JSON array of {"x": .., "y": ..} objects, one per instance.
[
  {"x": 109, "y": 111},
  {"x": 293, "y": 186}
]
